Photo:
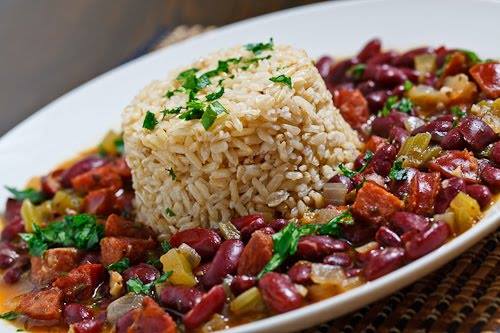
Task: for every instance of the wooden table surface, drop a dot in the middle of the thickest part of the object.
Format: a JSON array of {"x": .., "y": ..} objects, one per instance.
[{"x": 50, "y": 47}]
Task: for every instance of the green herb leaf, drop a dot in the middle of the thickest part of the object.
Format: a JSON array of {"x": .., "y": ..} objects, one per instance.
[
  {"x": 356, "y": 71},
  {"x": 164, "y": 277},
  {"x": 211, "y": 113},
  {"x": 346, "y": 171},
  {"x": 31, "y": 194},
  {"x": 351, "y": 173},
  {"x": 332, "y": 227},
  {"x": 166, "y": 112},
  {"x": 215, "y": 95},
  {"x": 389, "y": 104},
  {"x": 119, "y": 145},
  {"x": 457, "y": 112},
  {"x": 169, "y": 212},
  {"x": 165, "y": 246},
  {"x": 472, "y": 56},
  {"x": 11, "y": 315},
  {"x": 408, "y": 85},
  {"x": 404, "y": 105},
  {"x": 397, "y": 171},
  {"x": 136, "y": 286},
  {"x": 150, "y": 121},
  {"x": 282, "y": 79},
  {"x": 81, "y": 231},
  {"x": 257, "y": 48},
  {"x": 202, "y": 82},
  {"x": 172, "y": 174},
  {"x": 119, "y": 266},
  {"x": 171, "y": 93}
]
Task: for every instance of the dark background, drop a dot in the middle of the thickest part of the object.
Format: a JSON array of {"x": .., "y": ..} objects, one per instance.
[{"x": 48, "y": 47}]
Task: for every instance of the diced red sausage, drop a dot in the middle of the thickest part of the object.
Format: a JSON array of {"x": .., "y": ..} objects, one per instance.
[
  {"x": 80, "y": 282},
  {"x": 256, "y": 254},
  {"x": 42, "y": 305},
  {"x": 116, "y": 248},
  {"x": 374, "y": 143},
  {"x": 457, "y": 163},
  {"x": 424, "y": 188},
  {"x": 151, "y": 318},
  {"x": 117, "y": 226},
  {"x": 353, "y": 106},
  {"x": 99, "y": 202},
  {"x": 487, "y": 75},
  {"x": 94, "y": 179},
  {"x": 54, "y": 263},
  {"x": 374, "y": 204},
  {"x": 211, "y": 303}
]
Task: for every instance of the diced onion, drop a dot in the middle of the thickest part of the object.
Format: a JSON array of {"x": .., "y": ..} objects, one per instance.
[
  {"x": 367, "y": 247},
  {"x": 249, "y": 301},
  {"x": 191, "y": 255},
  {"x": 412, "y": 123},
  {"x": 467, "y": 211},
  {"x": 425, "y": 63},
  {"x": 301, "y": 290},
  {"x": 122, "y": 305},
  {"x": 228, "y": 230},
  {"x": 334, "y": 193},
  {"x": 321, "y": 273},
  {"x": 215, "y": 324}
]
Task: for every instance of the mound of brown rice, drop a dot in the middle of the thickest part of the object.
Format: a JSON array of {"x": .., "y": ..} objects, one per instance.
[{"x": 271, "y": 152}]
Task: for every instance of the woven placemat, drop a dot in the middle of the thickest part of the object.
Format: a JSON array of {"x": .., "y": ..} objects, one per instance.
[{"x": 462, "y": 296}]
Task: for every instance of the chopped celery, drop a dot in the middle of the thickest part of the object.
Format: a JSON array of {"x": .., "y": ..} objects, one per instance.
[
  {"x": 414, "y": 151},
  {"x": 31, "y": 215},
  {"x": 66, "y": 202},
  {"x": 176, "y": 262},
  {"x": 249, "y": 301},
  {"x": 425, "y": 63}
]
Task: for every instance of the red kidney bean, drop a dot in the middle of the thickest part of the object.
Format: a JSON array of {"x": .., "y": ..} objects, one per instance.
[
  {"x": 338, "y": 259},
  {"x": 88, "y": 326},
  {"x": 180, "y": 298},
  {"x": 383, "y": 159},
  {"x": 8, "y": 256},
  {"x": 279, "y": 293},
  {"x": 407, "y": 58},
  {"x": 381, "y": 126},
  {"x": 205, "y": 241},
  {"x": 12, "y": 210},
  {"x": 449, "y": 161},
  {"x": 405, "y": 221},
  {"x": 338, "y": 71},
  {"x": 201, "y": 269},
  {"x": 241, "y": 283},
  {"x": 225, "y": 262},
  {"x": 13, "y": 274},
  {"x": 359, "y": 161},
  {"x": 376, "y": 100},
  {"x": 428, "y": 240},
  {"x": 248, "y": 224},
  {"x": 370, "y": 49},
  {"x": 81, "y": 167},
  {"x": 399, "y": 91},
  {"x": 144, "y": 272},
  {"x": 359, "y": 233},
  {"x": 495, "y": 153},
  {"x": 387, "y": 237},
  {"x": 476, "y": 133},
  {"x": 300, "y": 272},
  {"x": 401, "y": 188},
  {"x": 10, "y": 231},
  {"x": 397, "y": 136},
  {"x": 481, "y": 193},
  {"x": 491, "y": 176},
  {"x": 385, "y": 75},
  {"x": 211, "y": 303},
  {"x": 343, "y": 180},
  {"x": 51, "y": 183},
  {"x": 382, "y": 58},
  {"x": 437, "y": 128},
  {"x": 449, "y": 189},
  {"x": 352, "y": 272},
  {"x": 382, "y": 262},
  {"x": 74, "y": 313},
  {"x": 279, "y": 224},
  {"x": 453, "y": 140},
  {"x": 411, "y": 74},
  {"x": 366, "y": 87},
  {"x": 316, "y": 247},
  {"x": 323, "y": 65}
]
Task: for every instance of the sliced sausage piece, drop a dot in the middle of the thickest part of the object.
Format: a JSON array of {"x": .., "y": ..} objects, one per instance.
[
  {"x": 151, "y": 318},
  {"x": 117, "y": 226},
  {"x": 256, "y": 254},
  {"x": 42, "y": 305},
  {"x": 424, "y": 188},
  {"x": 116, "y": 248},
  {"x": 80, "y": 283},
  {"x": 487, "y": 75},
  {"x": 374, "y": 204},
  {"x": 54, "y": 263},
  {"x": 95, "y": 179}
]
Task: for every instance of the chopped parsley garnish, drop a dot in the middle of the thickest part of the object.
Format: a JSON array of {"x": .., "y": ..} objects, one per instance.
[
  {"x": 457, "y": 112},
  {"x": 137, "y": 286},
  {"x": 392, "y": 103},
  {"x": 119, "y": 266},
  {"x": 397, "y": 171},
  {"x": 150, "y": 121},
  {"x": 172, "y": 174},
  {"x": 81, "y": 231},
  {"x": 119, "y": 145},
  {"x": 169, "y": 212},
  {"x": 31, "y": 194},
  {"x": 282, "y": 79},
  {"x": 351, "y": 173},
  {"x": 11, "y": 315},
  {"x": 408, "y": 85},
  {"x": 215, "y": 95},
  {"x": 257, "y": 48},
  {"x": 472, "y": 56},
  {"x": 211, "y": 113},
  {"x": 171, "y": 93},
  {"x": 286, "y": 240},
  {"x": 165, "y": 246},
  {"x": 356, "y": 71},
  {"x": 166, "y": 112}
]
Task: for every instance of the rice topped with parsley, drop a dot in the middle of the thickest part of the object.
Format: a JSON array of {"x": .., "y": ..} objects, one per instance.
[{"x": 245, "y": 130}]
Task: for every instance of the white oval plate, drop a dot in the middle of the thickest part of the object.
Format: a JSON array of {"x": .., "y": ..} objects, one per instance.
[{"x": 80, "y": 118}]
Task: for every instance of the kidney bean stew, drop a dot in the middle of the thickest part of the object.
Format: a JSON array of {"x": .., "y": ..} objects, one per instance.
[{"x": 74, "y": 256}]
